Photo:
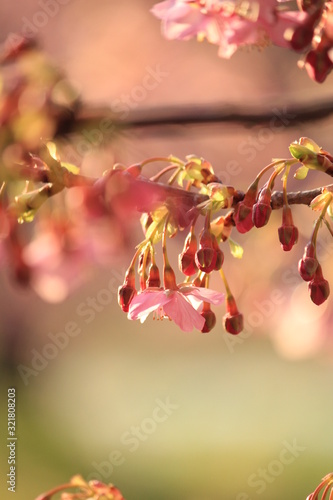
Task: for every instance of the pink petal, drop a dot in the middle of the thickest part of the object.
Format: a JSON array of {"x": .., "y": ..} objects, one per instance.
[
  {"x": 169, "y": 10},
  {"x": 146, "y": 302},
  {"x": 203, "y": 294},
  {"x": 183, "y": 313}
]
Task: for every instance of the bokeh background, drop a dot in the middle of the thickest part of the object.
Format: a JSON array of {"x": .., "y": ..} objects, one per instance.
[{"x": 237, "y": 402}]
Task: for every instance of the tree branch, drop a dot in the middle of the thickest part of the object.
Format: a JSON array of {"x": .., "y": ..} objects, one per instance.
[{"x": 285, "y": 117}]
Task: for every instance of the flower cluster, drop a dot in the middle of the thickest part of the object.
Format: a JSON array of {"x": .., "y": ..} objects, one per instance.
[
  {"x": 238, "y": 23},
  {"x": 93, "y": 490},
  {"x": 187, "y": 303}
]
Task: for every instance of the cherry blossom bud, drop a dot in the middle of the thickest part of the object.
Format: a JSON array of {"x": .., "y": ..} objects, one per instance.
[
  {"x": 318, "y": 287},
  {"x": 308, "y": 264},
  {"x": 186, "y": 260},
  {"x": 153, "y": 277},
  {"x": 127, "y": 291},
  {"x": 243, "y": 217},
  {"x": 243, "y": 211},
  {"x": 205, "y": 257},
  {"x": 233, "y": 324},
  {"x": 233, "y": 321},
  {"x": 288, "y": 233},
  {"x": 169, "y": 277},
  {"x": 288, "y": 236},
  {"x": 262, "y": 209},
  {"x": 209, "y": 316}
]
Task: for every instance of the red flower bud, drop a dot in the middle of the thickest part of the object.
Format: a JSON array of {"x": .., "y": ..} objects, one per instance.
[
  {"x": 127, "y": 291},
  {"x": 243, "y": 217},
  {"x": 154, "y": 277},
  {"x": 210, "y": 318},
  {"x": 232, "y": 321},
  {"x": 262, "y": 209},
  {"x": 288, "y": 236},
  {"x": 243, "y": 211},
  {"x": 169, "y": 278},
  {"x": 319, "y": 287},
  {"x": 308, "y": 264},
  {"x": 205, "y": 257},
  {"x": 233, "y": 324},
  {"x": 288, "y": 233},
  {"x": 186, "y": 260}
]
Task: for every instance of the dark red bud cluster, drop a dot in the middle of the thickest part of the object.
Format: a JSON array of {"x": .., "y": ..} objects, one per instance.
[
  {"x": 127, "y": 291},
  {"x": 262, "y": 209},
  {"x": 308, "y": 264},
  {"x": 233, "y": 320},
  {"x": 186, "y": 260},
  {"x": 319, "y": 287}
]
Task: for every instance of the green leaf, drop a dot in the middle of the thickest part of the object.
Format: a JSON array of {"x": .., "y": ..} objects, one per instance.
[{"x": 236, "y": 249}]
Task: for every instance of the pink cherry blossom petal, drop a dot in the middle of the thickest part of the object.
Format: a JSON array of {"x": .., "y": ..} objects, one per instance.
[
  {"x": 183, "y": 313},
  {"x": 146, "y": 302},
  {"x": 202, "y": 294}
]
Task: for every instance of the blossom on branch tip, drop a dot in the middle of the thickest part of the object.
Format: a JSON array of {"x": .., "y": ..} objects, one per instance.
[{"x": 179, "y": 305}]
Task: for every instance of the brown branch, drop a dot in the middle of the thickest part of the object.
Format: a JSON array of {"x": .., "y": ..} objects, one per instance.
[{"x": 106, "y": 120}]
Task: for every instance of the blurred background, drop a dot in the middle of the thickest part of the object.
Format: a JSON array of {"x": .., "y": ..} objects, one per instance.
[{"x": 232, "y": 406}]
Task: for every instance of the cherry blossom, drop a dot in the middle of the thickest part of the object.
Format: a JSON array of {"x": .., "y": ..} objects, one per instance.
[
  {"x": 231, "y": 25},
  {"x": 180, "y": 305}
]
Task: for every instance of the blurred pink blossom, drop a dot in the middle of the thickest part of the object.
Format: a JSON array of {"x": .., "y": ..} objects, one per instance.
[{"x": 228, "y": 25}]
